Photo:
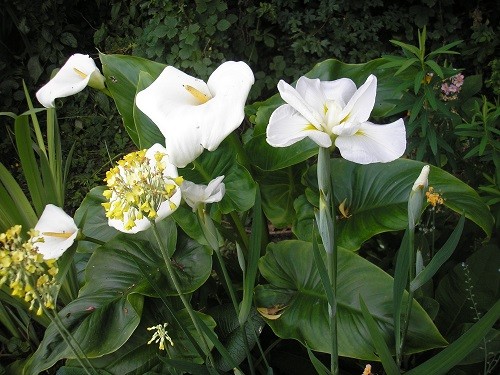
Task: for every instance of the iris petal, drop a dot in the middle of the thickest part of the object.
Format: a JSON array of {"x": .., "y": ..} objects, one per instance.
[
  {"x": 287, "y": 126},
  {"x": 373, "y": 143}
]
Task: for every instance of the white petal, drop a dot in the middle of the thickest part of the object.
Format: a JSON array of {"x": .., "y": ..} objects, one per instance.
[
  {"x": 308, "y": 110},
  {"x": 339, "y": 90},
  {"x": 72, "y": 78},
  {"x": 188, "y": 125},
  {"x": 360, "y": 106},
  {"x": 170, "y": 169},
  {"x": 229, "y": 84},
  {"x": 374, "y": 143},
  {"x": 55, "y": 220},
  {"x": 215, "y": 190},
  {"x": 287, "y": 126}
]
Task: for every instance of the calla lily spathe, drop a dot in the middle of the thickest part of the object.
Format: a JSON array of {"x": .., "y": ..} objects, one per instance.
[
  {"x": 56, "y": 232},
  {"x": 335, "y": 112},
  {"x": 79, "y": 72},
  {"x": 193, "y": 115},
  {"x": 195, "y": 195}
]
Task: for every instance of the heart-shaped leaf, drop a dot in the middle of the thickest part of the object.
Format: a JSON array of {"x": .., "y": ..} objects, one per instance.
[
  {"x": 296, "y": 298},
  {"x": 375, "y": 198},
  {"x": 109, "y": 306},
  {"x": 240, "y": 186}
]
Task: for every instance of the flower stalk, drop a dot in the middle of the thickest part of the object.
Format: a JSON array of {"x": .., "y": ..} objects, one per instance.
[
  {"x": 177, "y": 286},
  {"x": 326, "y": 224}
]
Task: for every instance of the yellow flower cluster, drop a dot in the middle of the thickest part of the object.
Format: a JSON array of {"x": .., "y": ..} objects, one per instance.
[
  {"x": 433, "y": 198},
  {"x": 160, "y": 335},
  {"x": 137, "y": 187},
  {"x": 24, "y": 270}
]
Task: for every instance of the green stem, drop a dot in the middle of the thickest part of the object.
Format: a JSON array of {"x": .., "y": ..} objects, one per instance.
[
  {"x": 327, "y": 231},
  {"x": 67, "y": 337},
  {"x": 409, "y": 304},
  {"x": 177, "y": 286},
  {"x": 208, "y": 225},
  {"x": 240, "y": 230}
]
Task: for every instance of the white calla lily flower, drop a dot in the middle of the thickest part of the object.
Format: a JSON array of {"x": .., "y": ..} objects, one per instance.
[
  {"x": 142, "y": 188},
  {"x": 195, "y": 195},
  {"x": 335, "y": 112},
  {"x": 193, "y": 115},
  {"x": 55, "y": 232},
  {"x": 77, "y": 73}
]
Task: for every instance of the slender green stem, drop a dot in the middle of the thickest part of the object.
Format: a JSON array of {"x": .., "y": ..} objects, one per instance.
[
  {"x": 326, "y": 227},
  {"x": 177, "y": 286},
  {"x": 240, "y": 230},
  {"x": 206, "y": 222},
  {"x": 67, "y": 337},
  {"x": 409, "y": 304}
]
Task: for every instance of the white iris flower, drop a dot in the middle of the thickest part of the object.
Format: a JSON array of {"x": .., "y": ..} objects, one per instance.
[{"x": 335, "y": 112}]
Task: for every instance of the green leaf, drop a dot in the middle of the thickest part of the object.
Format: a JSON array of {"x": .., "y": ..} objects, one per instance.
[
  {"x": 453, "y": 291},
  {"x": 445, "y": 49},
  {"x": 147, "y": 132},
  {"x": 438, "y": 260},
  {"x": 435, "y": 67},
  {"x": 407, "y": 47},
  {"x": 91, "y": 219},
  {"x": 378, "y": 341},
  {"x": 109, "y": 306},
  {"x": 377, "y": 194},
  {"x": 123, "y": 74},
  {"x": 295, "y": 285},
  {"x": 230, "y": 334},
  {"x": 15, "y": 208},
  {"x": 268, "y": 158},
  {"x": 457, "y": 350},
  {"x": 240, "y": 186},
  {"x": 254, "y": 251},
  {"x": 279, "y": 190}
]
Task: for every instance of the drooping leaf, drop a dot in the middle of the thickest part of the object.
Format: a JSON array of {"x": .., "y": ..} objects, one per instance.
[{"x": 295, "y": 286}]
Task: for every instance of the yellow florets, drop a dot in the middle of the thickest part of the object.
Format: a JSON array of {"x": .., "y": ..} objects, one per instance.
[
  {"x": 23, "y": 269},
  {"x": 433, "y": 198},
  {"x": 137, "y": 187}
]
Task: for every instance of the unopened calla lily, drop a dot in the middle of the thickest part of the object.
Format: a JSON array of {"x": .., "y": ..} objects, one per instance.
[
  {"x": 193, "y": 115},
  {"x": 335, "y": 112},
  {"x": 55, "y": 232},
  {"x": 77, "y": 73},
  {"x": 196, "y": 195}
]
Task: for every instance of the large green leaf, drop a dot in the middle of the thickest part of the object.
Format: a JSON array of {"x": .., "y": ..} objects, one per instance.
[
  {"x": 376, "y": 197},
  {"x": 240, "y": 186},
  {"x": 109, "y": 306},
  {"x": 231, "y": 335},
  {"x": 91, "y": 219},
  {"x": 295, "y": 287},
  {"x": 137, "y": 357},
  {"x": 269, "y": 158},
  {"x": 124, "y": 74},
  {"x": 279, "y": 190}
]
